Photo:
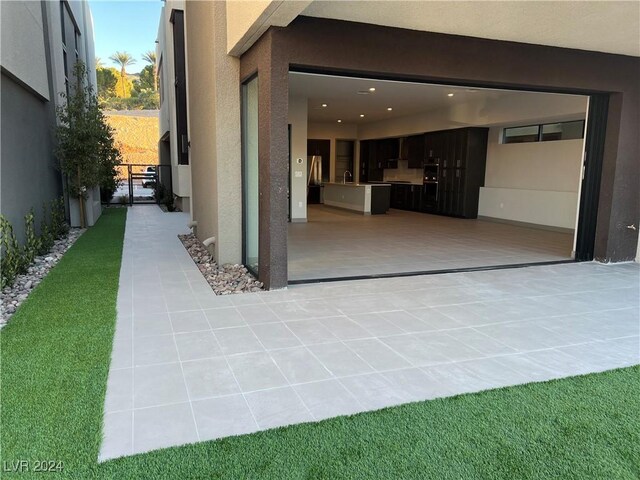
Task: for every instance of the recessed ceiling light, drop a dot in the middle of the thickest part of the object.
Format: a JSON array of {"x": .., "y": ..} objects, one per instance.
[
  {"x": 449, "y": 94},
  {"x": 339, "y": 121},
  {"x": 324, "y": 105},
  {"x": 372, "y": 89},
  {"x": 389, "y": 108},
  {"x": 362, "y": 115},
  {"x": 472, "y": 90}
]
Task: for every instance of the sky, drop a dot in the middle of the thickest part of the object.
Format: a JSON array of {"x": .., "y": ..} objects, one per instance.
[{"x": 125, "y": 26}]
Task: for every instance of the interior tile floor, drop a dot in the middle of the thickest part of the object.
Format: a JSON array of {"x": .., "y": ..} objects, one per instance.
[
  {"x": 337, "y": 243},
  {"x": 190, "y": 366}
]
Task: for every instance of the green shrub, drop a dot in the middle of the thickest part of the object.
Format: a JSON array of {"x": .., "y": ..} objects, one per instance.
[
  {"x": 16, "y": 259},
  {"x": 32, "y": 244},
  {"x": 12, "y": 261},
  {"x": 59, "y": 226},
  {"x": 46, "y": 233}
]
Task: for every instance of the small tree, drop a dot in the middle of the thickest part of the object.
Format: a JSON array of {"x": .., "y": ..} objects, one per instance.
[
  {"x": 107, "y": 81},
  {"x": 150, "y": 57},
  {"x": 124, "y": 60},
  {"x": 86, "y": 149}
]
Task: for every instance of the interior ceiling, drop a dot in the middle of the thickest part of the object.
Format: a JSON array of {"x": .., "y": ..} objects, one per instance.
[
  {"x": 343, "y": 101},
  {"x": 602, "y": 26}
]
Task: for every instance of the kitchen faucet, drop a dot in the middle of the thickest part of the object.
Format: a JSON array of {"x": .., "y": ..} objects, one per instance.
[{"x": 344, "y": 176}]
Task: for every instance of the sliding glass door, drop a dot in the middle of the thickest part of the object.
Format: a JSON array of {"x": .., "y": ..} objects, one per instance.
[{"x": 250, "y": 188}]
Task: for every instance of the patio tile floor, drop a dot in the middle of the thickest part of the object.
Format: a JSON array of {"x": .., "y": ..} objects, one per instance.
[{"x": 190, "y": 366}]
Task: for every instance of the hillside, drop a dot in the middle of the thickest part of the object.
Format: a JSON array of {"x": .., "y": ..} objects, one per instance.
[{"x": 137, "y": 135}]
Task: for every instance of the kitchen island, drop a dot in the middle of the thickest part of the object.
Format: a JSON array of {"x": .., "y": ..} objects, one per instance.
[{"x": 365, "y": 198}]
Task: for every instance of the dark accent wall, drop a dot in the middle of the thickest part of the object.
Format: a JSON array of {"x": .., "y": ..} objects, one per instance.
[
  {"x": 180, "y": 85},
  {"x": 29, "y": 176},
  {"x": 332, "y": 46}
]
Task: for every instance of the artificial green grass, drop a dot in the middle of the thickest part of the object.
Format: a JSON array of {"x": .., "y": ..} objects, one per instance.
[{"x": 55, "y": 357}]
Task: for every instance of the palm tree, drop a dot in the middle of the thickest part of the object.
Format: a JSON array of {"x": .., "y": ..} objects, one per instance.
[
  {"x": 150, "y": 57},
  {"x": 99, "y": 63},
  {"x": 124, "y": 60}
]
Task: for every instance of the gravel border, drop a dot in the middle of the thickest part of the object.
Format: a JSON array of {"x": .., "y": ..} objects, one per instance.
[
  {"x": 12, "y": 297},
  {"x": 225, "y": 280}
]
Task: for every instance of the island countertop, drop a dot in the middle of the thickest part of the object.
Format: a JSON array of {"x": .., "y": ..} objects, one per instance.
[
  {"x": 351, "y": 184},
  {"x": 358, "y": 197}
]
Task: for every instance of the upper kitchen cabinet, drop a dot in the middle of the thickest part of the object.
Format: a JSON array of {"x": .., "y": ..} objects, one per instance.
[
  {"x": 461, "y": 155},
  {"x": 413, "y": 150},
  {"x": 387, "y": 152}
]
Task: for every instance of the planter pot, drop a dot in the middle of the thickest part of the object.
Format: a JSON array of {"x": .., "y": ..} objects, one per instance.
[{"x": 92, "y": 205}]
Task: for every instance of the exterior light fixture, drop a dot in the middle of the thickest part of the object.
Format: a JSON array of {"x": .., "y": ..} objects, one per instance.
[
  {"x": 339, "y": 121},
  {"x": 362, "y": 115},
  {"x": 324, "y": 105},
  {"x": 389, "y": 108},
  {"x": 372, "y": 89}
]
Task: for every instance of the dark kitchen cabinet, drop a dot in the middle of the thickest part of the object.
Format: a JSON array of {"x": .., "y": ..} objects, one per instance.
[
  {"x": 376, "y": 156},
  {"x": 371, "y": 169},
  {"x": 405, "y": 196},
  {"x": 387, "y": 152},
  {"x": 461, "y": 159},
  {"x": 413, "y": 149},
  {"x": 398, "y": 196}
]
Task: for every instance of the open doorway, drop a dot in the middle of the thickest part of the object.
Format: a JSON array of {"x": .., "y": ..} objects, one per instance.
[{"x": 441, "y": 177}]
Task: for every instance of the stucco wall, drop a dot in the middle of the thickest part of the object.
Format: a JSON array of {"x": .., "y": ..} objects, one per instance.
[
  {"x": 214, "y": 130},
  {"x": 28, "y": 174},
  {"x": 181, "y": 174},
  {"x": 23, "y": 44}
]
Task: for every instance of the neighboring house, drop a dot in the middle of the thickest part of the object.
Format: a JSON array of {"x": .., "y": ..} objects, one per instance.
[
  {"x": 264, "y": 86},
  {"x": 173, "y": 146},
  {"x": 41, "y": 41}
]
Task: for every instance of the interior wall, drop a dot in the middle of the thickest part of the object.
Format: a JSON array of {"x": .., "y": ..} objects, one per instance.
[
  {"x": 533, "y": 182},
  {"x": 298, "y": 192},
  {"x": 336, "y": 131}
]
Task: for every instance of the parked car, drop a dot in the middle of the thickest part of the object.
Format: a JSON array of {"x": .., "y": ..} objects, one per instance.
[{"x": 150, "y": 176}]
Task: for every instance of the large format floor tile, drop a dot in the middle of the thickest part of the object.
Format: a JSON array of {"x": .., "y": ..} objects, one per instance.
[
  {"x": 190, "y": 366},
  {"x": 336, "y": 243}
]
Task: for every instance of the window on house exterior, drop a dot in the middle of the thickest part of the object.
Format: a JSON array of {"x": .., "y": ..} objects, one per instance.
[
  {"x": 160, "y": 83},
  {"x": 68, "y": 28},
  {"x": 544, "y": 132}
]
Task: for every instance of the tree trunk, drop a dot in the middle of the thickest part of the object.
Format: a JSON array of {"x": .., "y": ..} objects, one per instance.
[
  {"x": 155, "y": 78},
  {"x": 122, "y": 77},
  {"x": 83, "y": 221}
]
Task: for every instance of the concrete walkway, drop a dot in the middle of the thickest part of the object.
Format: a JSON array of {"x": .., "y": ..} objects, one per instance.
[{"x": 190, "y": 366}]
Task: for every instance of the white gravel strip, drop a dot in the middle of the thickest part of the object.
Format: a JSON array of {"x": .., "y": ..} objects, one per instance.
[{"x": 12, "y": 297}]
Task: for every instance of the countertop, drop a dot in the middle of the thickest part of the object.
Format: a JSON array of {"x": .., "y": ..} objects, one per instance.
[
  {"x": 400, "y": 182},
  {"x": 351, "y": 184}
]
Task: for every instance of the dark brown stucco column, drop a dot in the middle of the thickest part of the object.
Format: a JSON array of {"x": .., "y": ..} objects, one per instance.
[{"x": 273, "y": 104}]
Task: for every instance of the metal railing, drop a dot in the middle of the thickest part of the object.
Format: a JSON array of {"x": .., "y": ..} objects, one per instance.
[{"x": 143, "y": 183}]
